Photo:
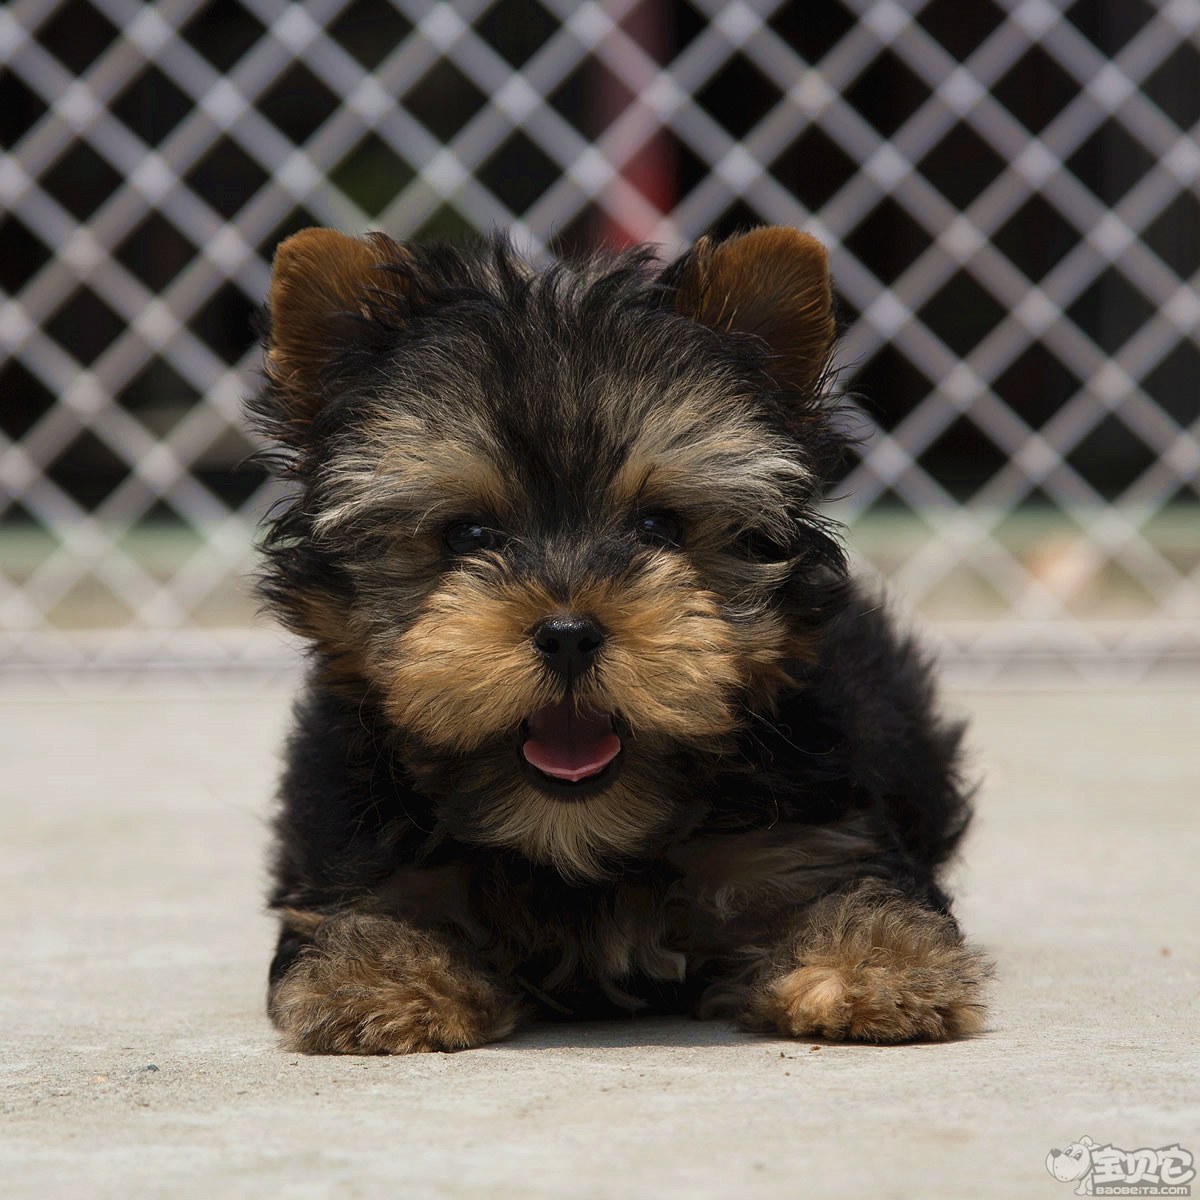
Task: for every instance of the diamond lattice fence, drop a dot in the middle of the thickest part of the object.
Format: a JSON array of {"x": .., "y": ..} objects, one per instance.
[{"x": 1009, "y": 189}]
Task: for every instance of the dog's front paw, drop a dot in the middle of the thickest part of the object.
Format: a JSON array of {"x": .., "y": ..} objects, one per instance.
[
  {"x": 873, "y": 968},
  {"x": 372, "y": 985},
  {"x": 867, "y": 1004}
]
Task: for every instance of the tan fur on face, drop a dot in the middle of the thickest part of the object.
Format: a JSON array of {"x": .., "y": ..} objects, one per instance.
[
  {"x": 330, "y": 627},
  {"x": 873, "y": 966},
  {"x": 706, "y": 453},
  {"x": 465, "y": 674},
  {"x": 374, "y": 985},
  {"x": 401, "y": 467},
  {"x": 764, "y": 643},
  {"x": 466, "y": 671}
]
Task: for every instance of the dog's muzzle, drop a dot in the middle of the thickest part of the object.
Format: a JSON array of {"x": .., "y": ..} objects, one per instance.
[{"x": 570, "y": 745}]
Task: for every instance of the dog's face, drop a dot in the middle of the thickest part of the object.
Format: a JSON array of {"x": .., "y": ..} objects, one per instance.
[
  {"x": 1071, "y": 1164},
  {"x": 558, "y": 525}
]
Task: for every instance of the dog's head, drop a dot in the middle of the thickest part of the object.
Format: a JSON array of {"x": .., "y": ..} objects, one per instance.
[
  {"x": 558, "y": 525},
  {"x": 1073, "y": 1163}
]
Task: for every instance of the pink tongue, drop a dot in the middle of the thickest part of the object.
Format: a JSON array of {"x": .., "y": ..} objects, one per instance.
[{"x": 570, "y": 744}]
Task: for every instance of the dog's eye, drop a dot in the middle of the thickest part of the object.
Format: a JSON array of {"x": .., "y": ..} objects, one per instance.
[
  {"x": 468, "y": 537},
  {"x": 757, "y": 545},
  {"x": 660, "y": 529}
]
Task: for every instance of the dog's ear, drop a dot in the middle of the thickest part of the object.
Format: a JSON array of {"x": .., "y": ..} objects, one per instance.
[
  {"x": 323, "y": 283},
  {"x": 772, "y": 283}
]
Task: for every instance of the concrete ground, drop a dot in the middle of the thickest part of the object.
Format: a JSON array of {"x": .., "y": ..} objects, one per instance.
[{"x": 136, "y": 1060}]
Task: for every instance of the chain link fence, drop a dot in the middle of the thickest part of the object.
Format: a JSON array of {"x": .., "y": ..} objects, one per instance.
[{"x": 1009, "y": 189}]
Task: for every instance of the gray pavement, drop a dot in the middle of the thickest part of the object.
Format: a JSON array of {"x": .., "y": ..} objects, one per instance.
[{"x": 136, "y": 1060}]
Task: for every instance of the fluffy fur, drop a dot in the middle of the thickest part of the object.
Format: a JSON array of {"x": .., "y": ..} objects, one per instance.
[{"x": 768, "y": 842}]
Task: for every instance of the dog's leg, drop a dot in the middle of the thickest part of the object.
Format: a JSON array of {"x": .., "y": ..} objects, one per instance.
[
  {"x": 872, "y": 965},
  {"x": 363, "y": 983}
]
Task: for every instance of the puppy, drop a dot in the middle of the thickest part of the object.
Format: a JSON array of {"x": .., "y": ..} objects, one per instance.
[{"x": 595, "y": 720}]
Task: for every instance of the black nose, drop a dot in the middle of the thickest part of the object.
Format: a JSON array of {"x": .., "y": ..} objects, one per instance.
[{"x": 568, "y": 644}]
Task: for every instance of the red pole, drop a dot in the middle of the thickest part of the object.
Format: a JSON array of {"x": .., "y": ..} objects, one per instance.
[{"x": 651, "y": 169}]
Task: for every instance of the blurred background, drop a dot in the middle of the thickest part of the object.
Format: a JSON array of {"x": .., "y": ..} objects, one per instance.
[{"x": 1009, "y": 190}]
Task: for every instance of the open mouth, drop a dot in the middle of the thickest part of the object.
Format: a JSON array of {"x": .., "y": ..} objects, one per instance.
[{"x": 571, "y": 750}]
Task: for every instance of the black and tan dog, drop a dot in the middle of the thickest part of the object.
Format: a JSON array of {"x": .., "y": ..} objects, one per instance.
[{"x": 596, "y": 720}]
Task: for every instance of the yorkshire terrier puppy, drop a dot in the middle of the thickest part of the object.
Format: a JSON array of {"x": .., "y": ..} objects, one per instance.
[{"x": 596, "y": 720}]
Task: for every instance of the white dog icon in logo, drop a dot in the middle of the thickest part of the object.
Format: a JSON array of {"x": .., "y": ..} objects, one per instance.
[{"x": 1074, "y": 1164}]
